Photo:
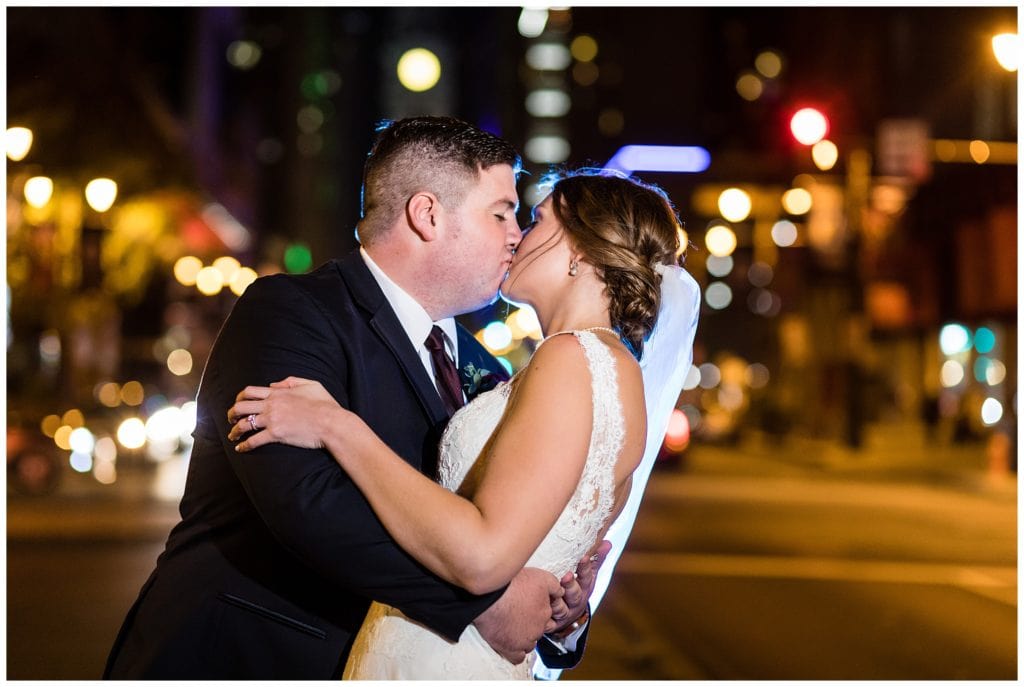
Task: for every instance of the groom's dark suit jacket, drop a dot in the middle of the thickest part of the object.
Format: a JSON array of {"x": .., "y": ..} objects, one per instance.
[{"x": 271, "y": 569}]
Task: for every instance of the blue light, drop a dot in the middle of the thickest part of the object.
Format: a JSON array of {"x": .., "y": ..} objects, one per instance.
[
  {"x": 637, "y": 158},
  {"x": 984, "y": 340}
]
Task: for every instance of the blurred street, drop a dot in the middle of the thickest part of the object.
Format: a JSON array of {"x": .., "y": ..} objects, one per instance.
[{"x": 802, "y": 562}]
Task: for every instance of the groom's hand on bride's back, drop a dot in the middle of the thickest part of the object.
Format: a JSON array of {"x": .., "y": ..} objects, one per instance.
[{"x": 516, "y": 621}]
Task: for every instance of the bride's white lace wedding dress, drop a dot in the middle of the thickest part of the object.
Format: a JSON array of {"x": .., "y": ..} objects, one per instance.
[{"x": 391, "y": 646}]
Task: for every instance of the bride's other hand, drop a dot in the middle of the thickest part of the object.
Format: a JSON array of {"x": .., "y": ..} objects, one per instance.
[
  {"x": 577, "y": 588},
  {"x": 293, "y": 411}
]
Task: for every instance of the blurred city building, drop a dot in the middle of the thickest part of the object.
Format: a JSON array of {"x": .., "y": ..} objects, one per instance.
[{"x": 854, "y": 231}]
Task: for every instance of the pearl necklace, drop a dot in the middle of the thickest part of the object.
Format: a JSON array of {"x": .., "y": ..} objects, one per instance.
[{"x": 586, "y": 329}]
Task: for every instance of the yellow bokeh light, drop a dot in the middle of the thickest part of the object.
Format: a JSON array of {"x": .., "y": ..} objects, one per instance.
[
  {"x": 720, "y": 240},
  {"x": 241, "y": 280},
  {"x": 769, "y": 63},
  {"x": 749, "y": 86},
  {"x": 132, "y": 433},
  {"x": 583, "y": 48},
  {"x": 945, "y": 150},
  {"x": 1006, "y": 47},
  {"x": 419, "y": 70},
  {"x": 684, "y": 241},
  {"x": 209, "y": 281},
  {"x": 110, "y": 394},
  {"x": 18, "y": 142},
  {"x": 73, "y": 418},
  {"x": 734, "y": 204},
  {"x": 825, "y": 154},
  {"x": 179, "y": 362},
  {"x": 227, "y": 266},
  {"x": 101, "y": 194},
  {"x": 952, "y": 373},
  {"x": 62, "y": 437},
  {"x": 50, "y": 425},
  {"x": 132, "y": 393},
  {"x": 797, "y": 201},
  {"x": 979, "y": 151},
  {"x": 186, "y": 268},
  {"x": 38, "y": 191}
]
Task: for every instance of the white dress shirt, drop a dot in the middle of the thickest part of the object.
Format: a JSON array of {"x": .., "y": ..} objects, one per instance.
[{"x": 413, "y": 318}]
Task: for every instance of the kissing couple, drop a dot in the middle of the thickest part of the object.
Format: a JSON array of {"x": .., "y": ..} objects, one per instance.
[{"x": 361, "y": 505}]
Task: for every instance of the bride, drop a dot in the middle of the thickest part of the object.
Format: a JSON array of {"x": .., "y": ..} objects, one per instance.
[{"x": 574, "y": 419}]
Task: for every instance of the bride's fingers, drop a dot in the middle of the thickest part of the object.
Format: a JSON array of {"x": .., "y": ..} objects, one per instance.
[
  {"x": 253, "y": 392},
  {"x": 243, "y": 409},
  {"x": 241, "y": 428},
  {"x": 254, "y": 441}
]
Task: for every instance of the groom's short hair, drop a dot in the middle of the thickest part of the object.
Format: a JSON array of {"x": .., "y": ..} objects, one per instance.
[{"x": 442, "y": 155}]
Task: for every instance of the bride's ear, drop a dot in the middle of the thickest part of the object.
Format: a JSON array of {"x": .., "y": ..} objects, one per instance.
[{"x": 422, "y": 212}]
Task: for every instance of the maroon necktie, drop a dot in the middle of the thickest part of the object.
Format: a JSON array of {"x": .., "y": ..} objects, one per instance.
[{"x": 447, "y": 377}]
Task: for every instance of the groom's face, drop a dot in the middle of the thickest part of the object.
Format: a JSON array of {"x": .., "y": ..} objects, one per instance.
[{"x": 482, "y": 234}]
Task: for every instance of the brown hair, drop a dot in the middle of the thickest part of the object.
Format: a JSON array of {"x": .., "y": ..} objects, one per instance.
[
  {"x": 623, "y": 227},
  {"x": 442, "y": 155}
]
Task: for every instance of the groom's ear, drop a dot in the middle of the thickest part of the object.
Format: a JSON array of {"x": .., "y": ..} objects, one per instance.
[{"x": 422, "y": 212}]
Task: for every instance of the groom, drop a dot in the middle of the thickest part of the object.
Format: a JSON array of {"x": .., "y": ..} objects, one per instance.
[{"x": 277, "y": 555}]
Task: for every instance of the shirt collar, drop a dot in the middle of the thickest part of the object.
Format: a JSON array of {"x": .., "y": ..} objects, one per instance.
[{"x": 414, "y": 319}]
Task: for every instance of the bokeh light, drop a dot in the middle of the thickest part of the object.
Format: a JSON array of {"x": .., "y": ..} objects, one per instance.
[
  {"x": 18, "y": 141},
  {"x": 784, "y": 233},
  {"x": 497, "y": 336},
  {"x": 768, "y": 63},
  {"x": 209, "y": 281},
  {"x": 719, "y": 265},
  {"x": 548, "y": 56},
  {"x": 80, "y": 462},
  {"x": 749, "y": 86},
  {"x": 756, "y": 376},
  {"x": 984, "y": 340},
  {"x": 132, "y": 393},
  {"x": 760, "y": 274},
  {"x": 242, "y": 279},
  {"x": 38, "y": 191},
  {"x": 825, "y": 154},
  {"x": 62, "y": 437},
  {"x": 50, "y": 424},
  {"x": 532, "y": 21},
  {"x": 552, "y": 149},
  {"x": 583, "y": 48},
  {"x": 980, "y": 151},
  {"x": 101, "y": 194},
  {"x": 991, "y": 411},
  {"x": 82, "y": 440},
  {"x": 109, "y": 394},
  {"x": 720, "y": 240},
  {"x": 548, "y": 102},
  {"x": 954, "y": 338},
  {"x": 718, "y": 295},
  {"x": 73, "y": 418},
  {"x": 298, "y": 258},
  {"x": 951, "y": 374},
  {"x": 710, "y": 376},
  {"x": 1006, "y": 48},
  {"x": 419, "y": 70},
  {"x": 244, "y": 54},
  {"x": 131, "y": 433},
  {"x": 797, "y": 201},
  {"x": 734, "y": 204},
  {"x": 692, "y": 378},
  {"x": 179, "y": 362},
  {"x": 808, "y": 126},
  {"x": 677, "y": 435},
  {"x": 995, "y": 373},
  {"x": 227, "y": 266},
  {"x": 186, "y": 269}
]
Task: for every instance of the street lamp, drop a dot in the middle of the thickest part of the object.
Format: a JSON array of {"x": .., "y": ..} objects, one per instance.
[
  {"x": 101, "y": 194},
  {"x": 1006, "y": 47},
  {"x": 18, "y": 142}
]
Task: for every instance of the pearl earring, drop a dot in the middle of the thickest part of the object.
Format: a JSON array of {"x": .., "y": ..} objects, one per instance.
[{"x": 573, "y": 268}]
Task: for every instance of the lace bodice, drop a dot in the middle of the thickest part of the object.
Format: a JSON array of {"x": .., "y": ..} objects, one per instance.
[{"x": 590, "y": 507}]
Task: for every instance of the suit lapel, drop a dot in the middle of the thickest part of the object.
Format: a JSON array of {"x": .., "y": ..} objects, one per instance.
[{"x": 385, "y": 323}]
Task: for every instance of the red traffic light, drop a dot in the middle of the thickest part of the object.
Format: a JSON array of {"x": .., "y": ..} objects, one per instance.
[{"x": 808, "y": 126}]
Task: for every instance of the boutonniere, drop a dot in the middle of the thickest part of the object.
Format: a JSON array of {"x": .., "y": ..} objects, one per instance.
[{"x": 476, "y": 380}]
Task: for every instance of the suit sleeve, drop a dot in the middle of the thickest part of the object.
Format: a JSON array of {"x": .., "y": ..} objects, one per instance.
[{"x": 307, "y": 502}]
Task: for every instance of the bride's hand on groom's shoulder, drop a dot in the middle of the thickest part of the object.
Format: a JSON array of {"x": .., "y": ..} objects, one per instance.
[{"x": 293, "y": 411}]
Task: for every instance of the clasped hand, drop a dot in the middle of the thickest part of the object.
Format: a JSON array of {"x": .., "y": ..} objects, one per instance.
[{"x": 293, "y": 411}]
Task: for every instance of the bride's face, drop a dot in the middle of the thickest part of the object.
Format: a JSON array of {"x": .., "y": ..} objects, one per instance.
[{"x": 542, "y": 259}]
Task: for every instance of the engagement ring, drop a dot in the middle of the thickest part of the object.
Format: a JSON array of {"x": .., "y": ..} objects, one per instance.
[{"x": 252, "y": 422}]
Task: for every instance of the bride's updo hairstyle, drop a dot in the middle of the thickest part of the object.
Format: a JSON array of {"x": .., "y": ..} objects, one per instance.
[{"x": 624, "y": 228}]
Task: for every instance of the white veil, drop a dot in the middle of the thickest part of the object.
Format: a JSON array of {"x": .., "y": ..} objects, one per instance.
[{"x": 668, "y": 354}]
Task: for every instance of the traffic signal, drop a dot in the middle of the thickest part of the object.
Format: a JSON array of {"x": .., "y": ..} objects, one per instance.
[{"x": 808, "y": 125}]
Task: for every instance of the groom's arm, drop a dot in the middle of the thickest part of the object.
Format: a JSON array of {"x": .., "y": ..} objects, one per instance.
[{"x": 309, "y": 505}]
